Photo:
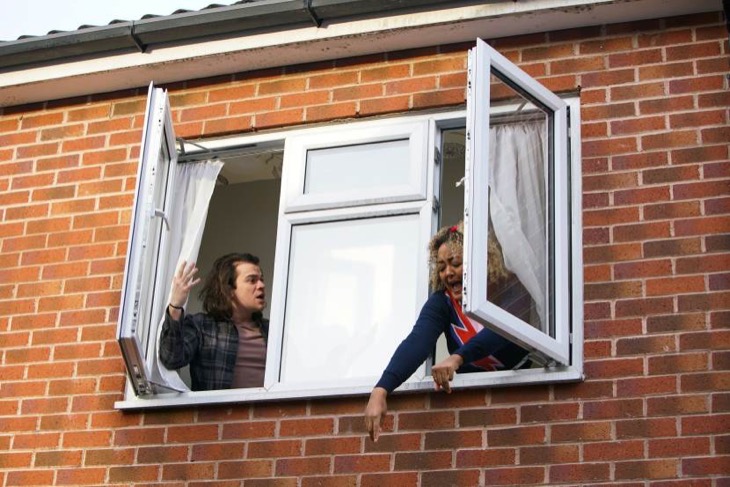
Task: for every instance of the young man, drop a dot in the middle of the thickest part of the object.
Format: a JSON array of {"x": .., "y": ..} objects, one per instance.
[{"x": 225, "y": 346}]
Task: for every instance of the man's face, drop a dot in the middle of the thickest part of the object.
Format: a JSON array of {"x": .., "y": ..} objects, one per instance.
[{"x": 250, "y": 294}]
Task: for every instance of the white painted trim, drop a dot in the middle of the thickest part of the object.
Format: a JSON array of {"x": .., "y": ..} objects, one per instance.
[{"x": 332, "y": 40}]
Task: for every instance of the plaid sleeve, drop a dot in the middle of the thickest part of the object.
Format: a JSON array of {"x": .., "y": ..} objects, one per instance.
[{"x": 178, "y": 341}]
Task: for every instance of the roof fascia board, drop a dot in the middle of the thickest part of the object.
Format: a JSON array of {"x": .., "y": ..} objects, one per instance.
[{"x": 334, "y": 40}]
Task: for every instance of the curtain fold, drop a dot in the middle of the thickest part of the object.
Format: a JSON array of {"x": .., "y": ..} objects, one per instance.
[
  {"x": 194, "y": 185},
  {"x": 517, "y": 204}
]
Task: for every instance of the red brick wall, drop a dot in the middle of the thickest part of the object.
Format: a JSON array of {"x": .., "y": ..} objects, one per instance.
[{"x": 654, "y": 405}]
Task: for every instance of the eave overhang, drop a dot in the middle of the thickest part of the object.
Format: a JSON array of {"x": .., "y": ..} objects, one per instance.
[{"x": 273, "y": 33}]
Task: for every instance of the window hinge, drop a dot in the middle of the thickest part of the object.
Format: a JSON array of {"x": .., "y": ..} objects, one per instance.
[{"x": 437, "y": 156}]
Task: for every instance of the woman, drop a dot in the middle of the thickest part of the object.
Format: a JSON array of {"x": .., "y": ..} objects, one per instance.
[
  {"x": 225, "y": 346},
  {"x": 472, "y": 348}
]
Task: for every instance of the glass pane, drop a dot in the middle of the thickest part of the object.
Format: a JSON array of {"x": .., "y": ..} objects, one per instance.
[
  {"x": 518, "y": 245},
  {"x": 357, "y": 167},
  {"x": 151, "y": 248},
  {"x": 351, "y": 297}
]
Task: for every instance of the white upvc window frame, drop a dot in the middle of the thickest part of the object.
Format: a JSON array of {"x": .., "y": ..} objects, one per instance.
[
  {"x": 158, "y": 135},
  {"x": 297, "y": 148},
  {"x": 484, "y": 61},
  {"x": 296, "y": 210}
]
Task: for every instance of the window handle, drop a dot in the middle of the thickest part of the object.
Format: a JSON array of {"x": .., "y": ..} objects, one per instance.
[{"x": 162, "y": 215}]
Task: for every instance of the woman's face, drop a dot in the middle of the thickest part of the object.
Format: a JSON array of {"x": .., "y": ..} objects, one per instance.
[{"x": 448, "y": 264}]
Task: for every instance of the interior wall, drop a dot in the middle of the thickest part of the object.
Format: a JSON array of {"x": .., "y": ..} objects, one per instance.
[{"x": 242, "y": 218}]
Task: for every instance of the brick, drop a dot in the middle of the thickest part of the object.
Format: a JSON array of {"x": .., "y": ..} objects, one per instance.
[
  {"x": 719, "y": 281},
  {"x": 614, "y": 290},
  {"x": 667, "y": 104},
  {"x": 509, "y": 476},
  {"x": 332, "y": 446},
  {"x": 706, "y": 382},
  {"x": 57, "y": 458},
  {"x": 306, "y": 427},
  {"x": 613, "y": 368},
  {"x": 330, "y": 112},
  {"x": 402, "y": 479},
  {"x": 612, "y": 253},
  {"x": 553, "y": 454},
  {"x": 188, "y": 471},
  {"x": 643, "y": 307},
  {"x": 451, "y": 477},
  {"x": 365, "y": 463},
  {"x": 702, "y": 226},
  {"x": 676, "y": 405},
  {"x": 616, "y": 409},
  {"x": 705, "y": 424},
  {"x": 426, "y": 421},
  {"x": 330, "y": 481},
  {"x": 646, "y": 386},
  {"x": 579, "y": 472},
  {"x": 489, "y": 457},
  {"x": 641, "y": 231},
  {"x": 522, "y": 435},
  {"x": 452, "y": 440},
  {"x": 254, "y": 429},
  {"x": 710, "y": 465},
  {"x": 673, "y": 210},
  {"x": 647, "y": 469},
  {"x": 670, "y": 175},
  {"x": 80, "y": 476},
  {"x": 646, "y": 428},
  {"x": 610, "y": 181},
  {"x": 668, "y": 140},
  {"x": 638, "y": 125},
  {"x": 30, "y": 477},
  {"x": 134, "y": 474},
  {"x": 394, "y": 442},
  {"x": 245, "y": 468},
  {"x": 280, "y": 118},
  {"x": 645, "y": 345},
  {"x": 678, "y": 363},
  {"x": 384, "y": 105},
  {"x": 703, "y": 302},
  {"x": 666, "y": 70},
  {"x": 707, "y": 263},
  {"x": 548, "y": 413},
  {"x": 303, "y": 466},
  {"x": 116, "y": 456},
  {"x": 274, "y": 449}
]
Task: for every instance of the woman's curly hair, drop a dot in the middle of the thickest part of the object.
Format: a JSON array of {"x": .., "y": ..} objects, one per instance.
[
  {"x": 220, "y": 282},
  {"x": 453, "y": 237}
]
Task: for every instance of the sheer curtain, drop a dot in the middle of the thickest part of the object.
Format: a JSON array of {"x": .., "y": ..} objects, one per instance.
[
  {"x": 194, "y": 185},
  {"x": 517, "y": 204}
]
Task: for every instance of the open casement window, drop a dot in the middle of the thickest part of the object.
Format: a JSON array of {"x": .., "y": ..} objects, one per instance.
[
  {"x": 341, "y": 216},
  {"x": 518, "y": 204},
  {"x": 142, "y": 298}
]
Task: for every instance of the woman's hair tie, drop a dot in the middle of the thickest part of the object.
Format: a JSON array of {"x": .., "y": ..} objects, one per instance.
[{"x": 453, "y": 229}]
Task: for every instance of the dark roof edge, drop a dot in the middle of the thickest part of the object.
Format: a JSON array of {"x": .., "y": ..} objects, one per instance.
[{"x": 185, "y": 27}]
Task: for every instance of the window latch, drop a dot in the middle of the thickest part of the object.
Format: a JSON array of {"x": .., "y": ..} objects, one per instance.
[{"x": 162, "y": 215}]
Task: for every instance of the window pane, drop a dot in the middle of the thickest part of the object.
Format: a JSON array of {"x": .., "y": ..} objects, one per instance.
[
  {"x": 518, "y": 256},
  {"x": 354, "y": 167},
  {"x": 151, "y": 249},
  {"x": 351, "y": 297}
]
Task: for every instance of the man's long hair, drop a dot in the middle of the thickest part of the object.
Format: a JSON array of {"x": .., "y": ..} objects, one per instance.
[{"x": 220, "y": 283}]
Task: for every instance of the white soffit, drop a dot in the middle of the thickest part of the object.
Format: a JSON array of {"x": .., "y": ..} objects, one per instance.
[{"x": 329, "y": 41}]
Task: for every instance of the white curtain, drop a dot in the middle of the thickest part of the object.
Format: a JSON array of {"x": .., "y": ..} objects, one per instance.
[
  {"x": 517, "y": 204},
  {"x": 194, "y": 185}
]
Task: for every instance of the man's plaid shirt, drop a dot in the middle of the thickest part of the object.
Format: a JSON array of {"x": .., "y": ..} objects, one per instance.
[{"x": 210, "y": 348}]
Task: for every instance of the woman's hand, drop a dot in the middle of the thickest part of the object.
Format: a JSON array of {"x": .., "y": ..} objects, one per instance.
[
  {"x": 443, "y": 372},
  {"x": 375, "y": 412},
  {"x": 182, "y": 282}
]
